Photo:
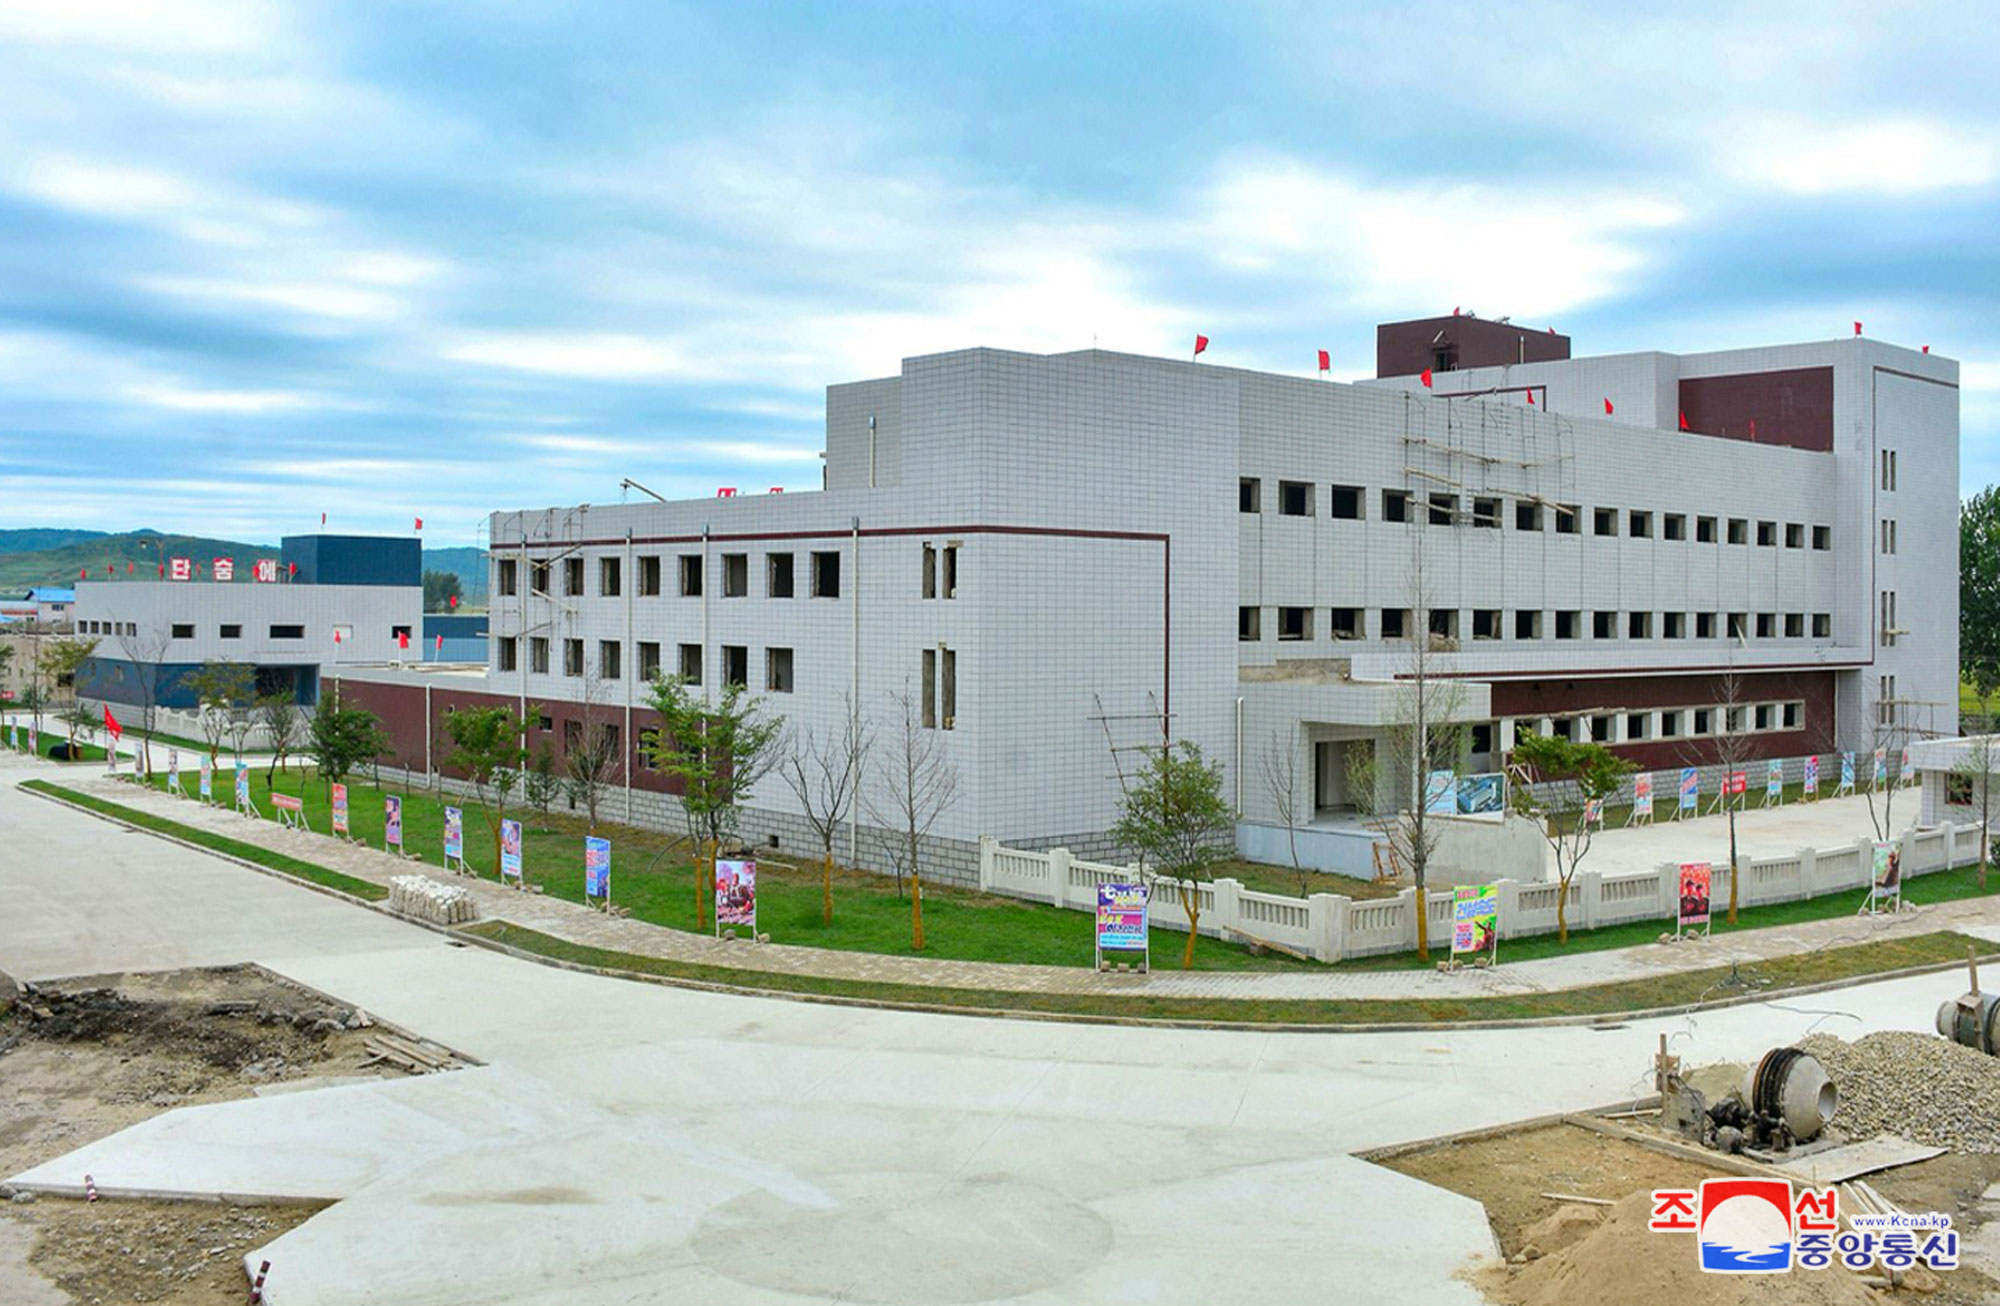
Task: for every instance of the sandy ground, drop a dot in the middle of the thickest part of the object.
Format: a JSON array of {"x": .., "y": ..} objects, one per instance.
[{"x": 114, "y": 1050}]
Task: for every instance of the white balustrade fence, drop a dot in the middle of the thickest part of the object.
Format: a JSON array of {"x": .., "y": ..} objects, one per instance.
[{"x": 1332, "y": 926}]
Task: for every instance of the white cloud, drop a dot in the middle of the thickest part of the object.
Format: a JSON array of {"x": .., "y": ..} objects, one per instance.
[
  {"x": 180, "y": 399},
  {"x": 599, "y": 356},
  {"x": 1894, "y": 156},
  {"x": 317, "y": 299}
]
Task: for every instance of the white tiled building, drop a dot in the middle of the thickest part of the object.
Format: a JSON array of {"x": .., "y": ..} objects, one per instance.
[{"x": 1047, "y": 552}]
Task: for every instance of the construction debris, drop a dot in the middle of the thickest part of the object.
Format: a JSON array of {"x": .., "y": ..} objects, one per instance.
[{"x": 430, "y": 900}]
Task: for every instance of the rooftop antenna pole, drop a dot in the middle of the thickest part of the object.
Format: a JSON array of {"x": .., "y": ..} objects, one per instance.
[{"x": 629, "y": 484}]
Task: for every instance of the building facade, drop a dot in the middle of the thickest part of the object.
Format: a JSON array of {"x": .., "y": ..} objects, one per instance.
[
  {"x": 293, "y": 629},
  {"x": 1055, "y": 559}
]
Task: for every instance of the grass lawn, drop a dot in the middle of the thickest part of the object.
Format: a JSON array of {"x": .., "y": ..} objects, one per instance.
[
  {"x": 652, "y": 875},
  {"x": 1939, "y": 886},
  {"x": 1774, "y": 977},
  {"x": 1267, "y": 878}
]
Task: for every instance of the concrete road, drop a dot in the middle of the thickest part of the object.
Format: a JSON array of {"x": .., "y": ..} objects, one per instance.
[{"x": 637, "y": 1143}]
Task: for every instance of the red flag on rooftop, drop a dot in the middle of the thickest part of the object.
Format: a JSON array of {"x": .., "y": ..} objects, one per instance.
[
  {"x": 83, "y": 573},
  {"x": 440, "y": 644},
  {"x": 1200, "y": 343},
  {"x": 1684, "y": 421},
  {"x": 1454, "y": 310},
  {"x": 1325, "y": 362},
  {"x": 322, "y": 519},
  {"x": 402, "y": 639},
  {"x": 451, "y": 601},
  {"x": 1425, "y": 377},
  {"x": 1531, "y": 398},
  {"x": 1607, "y": 408},
  {"x": 111, "y": 725},
  {"x": 1753, "y": 428},
  {"x": 1552, "y": 330},
  {"x": 1857, "y": 328},
  {"x": 336, "y": 634},
  {"x": 163, "y": 569},
  {"x": 128, "y": 569},
  {"x": 420, "y": 523},
  {"x": 1927, "y": 349}
]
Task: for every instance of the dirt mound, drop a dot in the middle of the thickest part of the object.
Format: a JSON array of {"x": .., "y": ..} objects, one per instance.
[
  {"x": 1559, "y": 1228},
  {"x": 1623, "y": 1261}
]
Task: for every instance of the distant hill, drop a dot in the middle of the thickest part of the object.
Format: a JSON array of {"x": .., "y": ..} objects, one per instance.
[
  {"x": 468, "y": 564},
  {"x": 35, "y": 538},
  {"x": 140, "y": 550}
]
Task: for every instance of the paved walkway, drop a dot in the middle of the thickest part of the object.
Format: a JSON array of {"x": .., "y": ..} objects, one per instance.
[{"x": 577, "y": 923}]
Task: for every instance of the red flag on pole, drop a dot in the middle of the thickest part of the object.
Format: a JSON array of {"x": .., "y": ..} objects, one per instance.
[
  {"x": 163, "y": 569},
  {"x": 1200, "y": 343},
  {"x": 111, "y": 726},
  {"x": 1552, "y": 330},
  {"x": 451, "y": 601},
  {"x": 128, "y": 569},
  {"x": 440, "y": 644},
  {"x": 1325, "y": 362},
  {"x": 1425, "y": 377},
  {"x": 1454, "y": 310},
  {"x": 1857, "y": 328},
  {"x": 1927, "y": 349},
  {"x": 111, "y": 569},
  {"x": 1531, "y": 398},
  {"x": 322, "y": 519},
  {"x": 83, "y": 573},
  {"x": 1684, "y": 421},
  {"x": 336, "y": 634},
  {"x": 1753, "y": 428},
  {"x": 402, "y": 639},
  {"x": 420, "y": 523},
  {"x": 1607, "y": 408}
]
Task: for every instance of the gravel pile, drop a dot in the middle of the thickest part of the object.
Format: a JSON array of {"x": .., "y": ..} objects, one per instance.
[{"x": 1920, "y": 1086}]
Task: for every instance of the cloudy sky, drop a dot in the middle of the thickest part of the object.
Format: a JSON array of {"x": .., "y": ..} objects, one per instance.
[{"x": 261, "y": 261}]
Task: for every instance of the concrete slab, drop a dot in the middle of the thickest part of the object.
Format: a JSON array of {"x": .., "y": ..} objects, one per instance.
[
  {"x": 1760, "y": 832},
  {"x": 1839, "y": 1164}
]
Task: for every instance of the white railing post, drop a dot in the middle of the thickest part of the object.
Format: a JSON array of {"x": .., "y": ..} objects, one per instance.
[
  {"x": 986, "y": 845},
  {"x": 1808, "y": 871},
  {"x": 1590, "y": 897},
  {"x": 1329, "y": 925},
  {"x": 1059, "y": 861},
  {"x": 1407, "y": 897},
  {"x": 1228, "y": 906}
]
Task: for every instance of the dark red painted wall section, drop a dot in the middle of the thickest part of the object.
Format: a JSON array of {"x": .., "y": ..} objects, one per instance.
[
  {"x": 1792, "y": 408},
  {"x": 1407, "y": 348},
  {"x": 401, "y": 709},
  {"x": 1554, "y": 697}
]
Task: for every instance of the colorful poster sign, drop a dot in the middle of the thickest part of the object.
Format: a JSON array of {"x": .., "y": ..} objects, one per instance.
[
  {"x": 1881, "y": 767},
  {"x": 597, "y": 868},
  {"x": 242, "y": 784},
  {"x": 1738, "y": 783},
  {"x": 1642, "y": 794},
  {"x": 14, "y": 737},
  {"x": 207, "y": 778},
  {"x": 454, "y": 833},
  {"x": 340, "y": 809},
  {"x": 1887, "y": 886},
  {"x": 1593, "y": 811},
  {"x": 1812, "y": 775},
  {"x": 224, "y": 569},
  {"x": 1847, "y": 770},
  {"x": 1695, "y": 879},
  {"x": 510, "y": 850},
  {"x": 1121, "y": 917},
  {"x": 1475, "y": 921},
  {"x": 392, "y": 822},
  {"x": 1909, "y": 772},
  {"x": 736, "y": 894},
  {"x": 1483, "y": 794},
  {"x": 1440, "y": 796},
  {"x": 173, "y": 768},
  {"x": 265, "y": 570},
  {"x": 1690, "y": 788},
  {"x": 1774, "y": 779}
]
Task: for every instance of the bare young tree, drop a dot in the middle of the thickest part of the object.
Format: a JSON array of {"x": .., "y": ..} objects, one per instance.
[
  {"x": 283, "y": 726},
  {"x": 592, "y": 758},
  {"x": 1279, "y": 768},
  {"x": 916, "y": 784},
  {"x": 221, "y": 690},
  {"x": 1889, "y": 733},
  {"x": 1731, "y": 748},
  {"x": 1424, "y": 737},
  {"x": 145, "y": 648},
  {"x": 823, "y": 771}
]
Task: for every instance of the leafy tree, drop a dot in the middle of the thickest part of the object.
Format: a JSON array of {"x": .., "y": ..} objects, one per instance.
[
  {"x": 282, "y": 726},
  {"x": 540, "y": 784},
  {"x": 342, "y": 738},
  {"x": 440, "y": 588},
  {"x": 915, "y": 785},
  {"x": 824, "y": 773},
  {"x": 1979, "y": 594},
  {"x": 718, "y": 752},
  {"x": 79, "y": 719},
  {"x": 1552, "y": 782},
  {"x": 486, "y": 746},
  {"x": 220, "y": 690},
  {"x": 1174, "y": 815}
]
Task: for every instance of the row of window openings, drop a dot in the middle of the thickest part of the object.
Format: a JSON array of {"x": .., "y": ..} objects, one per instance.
[
  {"x": 1673, "y": 723},
  {"x": 109, "y": 627},
  {"x": 940, "y": 575},
  {"x": 1295, "y": 499},
  {"x": 1296, "y": 624},
  {"x": 611, "y": 661},
  {"x": 185, "y": 630}
]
